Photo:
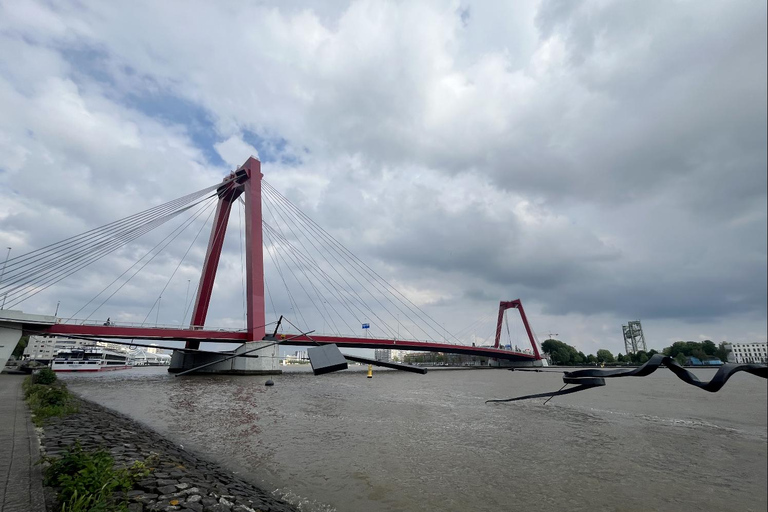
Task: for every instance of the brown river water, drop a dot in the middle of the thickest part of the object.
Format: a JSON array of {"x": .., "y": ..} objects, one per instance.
[{"x": 407, "y": 442}]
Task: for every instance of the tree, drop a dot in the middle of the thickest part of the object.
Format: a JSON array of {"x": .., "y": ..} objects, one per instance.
[
  {"x": 559, "y": 352},
  {"x": 652, "y": 353},
  {"x": 621, "y": 359},
  {"x": 562, "y": 356},
  {"x": 680, "y": 358},
  {"x": 723, "y": 351},
  {"x": 604, "y": 356},
  {"x": 703, "y": 350},
  {"x": 709, "y": 347},
  {"x": 642, "y": 357},
  {"x": 591, "y": 359},
  {"x": 20, "y": 346}
]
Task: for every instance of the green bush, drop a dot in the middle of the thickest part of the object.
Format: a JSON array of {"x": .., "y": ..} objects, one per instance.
[
  {"x": 88, "y": 481},
  {"x": 44, "y": 376},
  {"x": 47, "y": 400},
  {"x": 51, "y": 396}
]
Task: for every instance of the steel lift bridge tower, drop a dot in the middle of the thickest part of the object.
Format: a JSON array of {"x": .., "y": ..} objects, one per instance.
[{"x": 634, "y": 340}]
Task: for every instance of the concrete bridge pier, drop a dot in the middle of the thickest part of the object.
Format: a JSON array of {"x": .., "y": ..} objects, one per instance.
[
  {"x": 9, "y": 337},
  {"x": 260, "y": 362}
]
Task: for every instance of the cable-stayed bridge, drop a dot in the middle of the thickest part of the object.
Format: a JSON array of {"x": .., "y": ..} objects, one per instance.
[{"x": 323, "y": 282}]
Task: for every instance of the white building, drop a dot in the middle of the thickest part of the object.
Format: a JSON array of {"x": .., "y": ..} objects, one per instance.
[
  {"x": 45, "y": 348},
  {"x": 749, "y": 352},
  {"x": 383, "y": 354},
  {"x": 42, "y": 348}
]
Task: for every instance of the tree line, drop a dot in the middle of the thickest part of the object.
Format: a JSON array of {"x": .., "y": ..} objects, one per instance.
[{"x": 563, "y": 354}]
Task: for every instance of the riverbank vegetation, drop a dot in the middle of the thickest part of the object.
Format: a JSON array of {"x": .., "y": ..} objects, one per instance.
[
  {"x": 561, "y": 353},
  {"x": 47, "y": 397},
  {"x": 83, "y": 480},
  {"x": 89, "y": 481}
]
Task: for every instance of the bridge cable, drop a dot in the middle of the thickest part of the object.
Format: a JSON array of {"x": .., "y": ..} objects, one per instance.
[
  {"x": 335, "y": 268},
  {"x": 90, "y": 254},
  {"x": 333, "y": 284},
  {"x": 321, "y": 299},
  {"x": 119, "y": 277},
  {"x": 180, "y": 261},
  {"x": 311, "y": 264},
  {"x": 332, "y": 242},
  {"x": 295, "y": 255},
  {"x": 347, "y": 255},
  {"x": 34, "y": 274},
  {"x": 343, "y": 302},
  {"x": 475, "y": 326},
  {"x": 188, "y": 306},
  {"x": 350, "y": 288},
  {"x": 68, "y": 244},
  {"x": 291, "y": 300},
  {"x": 175, "y": 233},
  {"x": 290, "y": 269},
  {"x": 76, "y": 263},
  {"x": 274, "y": 209},
  {"x": 337, "y": 293}
]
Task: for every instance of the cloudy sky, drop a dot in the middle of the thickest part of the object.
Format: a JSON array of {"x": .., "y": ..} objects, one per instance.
[{"x": 603, "y": 161}]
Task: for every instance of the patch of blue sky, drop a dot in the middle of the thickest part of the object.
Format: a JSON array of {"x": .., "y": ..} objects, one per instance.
[
  {"x": 175, "y": 110},
  {"x": 90, "y": 62},
  {"x": 93, "y": 64},
  {"x": 272, "y": 149}
]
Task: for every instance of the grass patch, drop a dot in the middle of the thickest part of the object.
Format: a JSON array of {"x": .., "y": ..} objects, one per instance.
[
  {"x": 47, "y": 397},
  {"x": 88, "y": 480}
]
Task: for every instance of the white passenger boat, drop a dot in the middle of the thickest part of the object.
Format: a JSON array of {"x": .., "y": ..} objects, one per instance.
[{"x": 89, "y": 359}]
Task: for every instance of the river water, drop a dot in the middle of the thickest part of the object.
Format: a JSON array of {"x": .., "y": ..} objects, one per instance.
[{"x": 407, "y": 442}]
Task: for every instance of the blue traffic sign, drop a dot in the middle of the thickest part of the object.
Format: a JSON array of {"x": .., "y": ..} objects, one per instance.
[{"x": 366, "y": 326}]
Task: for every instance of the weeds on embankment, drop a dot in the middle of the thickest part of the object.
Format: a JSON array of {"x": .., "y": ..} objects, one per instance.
[
  {"x": 87, "y": 480},
  {"x": 47, "y": 397}
]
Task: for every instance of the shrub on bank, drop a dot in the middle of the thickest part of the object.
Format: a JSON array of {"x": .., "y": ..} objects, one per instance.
[
  {"x": 44, "y": 376},
  {"x": 47, "y": 400},
  {"x": 88, "y": 481}
]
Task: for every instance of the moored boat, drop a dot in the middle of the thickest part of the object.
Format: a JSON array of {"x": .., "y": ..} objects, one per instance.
[{"x": 89, "y": 359}]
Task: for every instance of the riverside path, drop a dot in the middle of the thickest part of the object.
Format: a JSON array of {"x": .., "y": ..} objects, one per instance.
[{"x": 21, "y": 481}]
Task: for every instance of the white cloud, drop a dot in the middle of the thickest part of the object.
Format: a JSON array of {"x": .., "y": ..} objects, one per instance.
[
  {"x": 234, "y": 151},
  {"x": 600, "y": 161}
]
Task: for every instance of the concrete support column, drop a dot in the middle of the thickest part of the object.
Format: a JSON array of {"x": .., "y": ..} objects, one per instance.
[{"x": 9, "y": 338}]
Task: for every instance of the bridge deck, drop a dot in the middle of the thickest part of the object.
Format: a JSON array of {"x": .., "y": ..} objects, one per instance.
[{"x": 170, "y": 334}]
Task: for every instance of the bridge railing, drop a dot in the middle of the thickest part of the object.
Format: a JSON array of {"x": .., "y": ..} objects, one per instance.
[{"x": 111, "y": 323}]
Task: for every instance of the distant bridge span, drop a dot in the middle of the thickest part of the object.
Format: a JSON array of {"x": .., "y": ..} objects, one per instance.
[{"x": 169, "y": 334}]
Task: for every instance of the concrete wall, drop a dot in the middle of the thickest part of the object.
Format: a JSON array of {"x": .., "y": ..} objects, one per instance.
[
  {"x": 9, "y": 338},
  {"x": 267, "y": 362}
]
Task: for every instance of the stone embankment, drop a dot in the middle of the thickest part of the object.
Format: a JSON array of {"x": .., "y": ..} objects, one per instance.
[{"x": 178, "y": 479}]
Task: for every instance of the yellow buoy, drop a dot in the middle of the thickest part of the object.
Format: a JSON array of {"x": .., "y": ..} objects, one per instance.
[{"x": 370, "y": 371}]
